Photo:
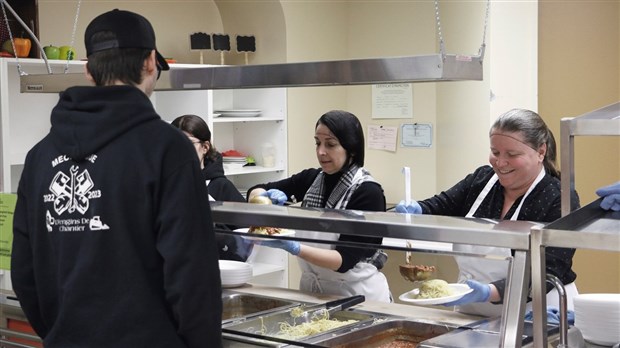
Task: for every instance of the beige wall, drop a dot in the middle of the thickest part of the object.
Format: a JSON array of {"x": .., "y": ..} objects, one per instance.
[
  {"x": 579, "y": 71},
  {"x": 173, "y": 22},
  {"x": 362, "y": 29}
]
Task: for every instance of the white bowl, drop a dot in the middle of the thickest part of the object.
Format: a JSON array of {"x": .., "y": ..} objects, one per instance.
[
  {"x": 234, "y": 273},
  {"x": 597, "y": 316},
  {"x": 235, "y": 277},
  {"x": 234, "y": 265}
]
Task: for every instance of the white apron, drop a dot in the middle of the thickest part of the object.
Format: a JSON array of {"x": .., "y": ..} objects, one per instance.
[
  {"x": 363, "y": 279},
  {"x": 486, "y": 271},
  {"x": 211, "y": 199}
]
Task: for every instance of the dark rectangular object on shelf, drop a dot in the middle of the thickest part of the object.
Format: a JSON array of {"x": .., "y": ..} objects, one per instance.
[
  {"x": 221, "y": 42},
  {"x": 246, "y": 43},
  {"x": 200, "y": 41}
]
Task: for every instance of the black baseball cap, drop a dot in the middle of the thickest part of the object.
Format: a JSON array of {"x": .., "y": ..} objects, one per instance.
[{"x": 131, "y": 30}]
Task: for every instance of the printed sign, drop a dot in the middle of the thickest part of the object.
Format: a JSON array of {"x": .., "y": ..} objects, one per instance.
[
  {"x": 392, "y": 101},
  {"x": 7, "y": 208}
]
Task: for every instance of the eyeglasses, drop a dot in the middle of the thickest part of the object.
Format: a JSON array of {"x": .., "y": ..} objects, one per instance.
[{"x": 158, "y": 70}]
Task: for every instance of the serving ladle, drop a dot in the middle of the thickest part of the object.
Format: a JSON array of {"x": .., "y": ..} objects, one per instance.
[{"x": 414, "y": 273}]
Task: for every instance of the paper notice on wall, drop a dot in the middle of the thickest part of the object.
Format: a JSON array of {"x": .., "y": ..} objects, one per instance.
[
  {"x": 416, "y": 135},
  {"x": 382, "y": 138},
  {"x": 392, "y": 101},
  {"x": 7, "y": 208}
]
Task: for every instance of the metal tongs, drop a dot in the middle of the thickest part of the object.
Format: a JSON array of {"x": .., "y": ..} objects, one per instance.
[{"x": 325, "y": 310}]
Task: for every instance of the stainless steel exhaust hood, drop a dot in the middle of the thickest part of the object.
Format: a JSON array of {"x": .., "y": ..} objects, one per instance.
[{"x": 426, "y": 68}]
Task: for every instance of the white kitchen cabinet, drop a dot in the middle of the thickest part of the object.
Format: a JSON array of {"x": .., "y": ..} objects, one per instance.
[
  {"x": 249, "y": 135},
  {"x": 25, "y": 119}
]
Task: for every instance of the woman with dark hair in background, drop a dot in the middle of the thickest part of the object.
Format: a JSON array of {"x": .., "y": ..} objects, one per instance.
[
  {"x": 341, "y": 182},
  {"x": 521, "y": 183},
  {"x": 220, "y": 188}
]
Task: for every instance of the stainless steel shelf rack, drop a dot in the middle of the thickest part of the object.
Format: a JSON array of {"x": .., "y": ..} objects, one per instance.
[
  {"x": 587, "y": 228},
  {"x": 604, "y": 122}
]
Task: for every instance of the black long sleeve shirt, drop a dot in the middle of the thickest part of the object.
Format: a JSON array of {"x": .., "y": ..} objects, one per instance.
[
  {"x": 542, "y": 205},
  {"x": 368, "y": 197}
]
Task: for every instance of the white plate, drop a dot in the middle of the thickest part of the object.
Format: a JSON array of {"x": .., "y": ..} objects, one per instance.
[
  {"x": 233, "y": 158},
  {"x": 235, "y": 274},
  {"x": 459, "y": 290},
  {"x": 239, "y": 113},
  {"x": 236, "y": 280},
  {"x": 232, "y": 285},
  {"x": 229, "y": 265},
  {"x": 284, "y": 232}
]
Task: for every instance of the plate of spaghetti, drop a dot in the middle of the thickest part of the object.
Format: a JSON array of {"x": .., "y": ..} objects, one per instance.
[{"x": 262, "y": 231}]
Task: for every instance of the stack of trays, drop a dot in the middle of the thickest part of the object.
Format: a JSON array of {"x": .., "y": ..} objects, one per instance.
[
  {"x": 597, "y": 316},
  {"x": 234, "y": 273}
]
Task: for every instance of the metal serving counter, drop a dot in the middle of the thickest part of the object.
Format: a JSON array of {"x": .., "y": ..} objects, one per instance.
[
  {"x": 506, "y": 234},
  {"x": 587, "y": 228}
]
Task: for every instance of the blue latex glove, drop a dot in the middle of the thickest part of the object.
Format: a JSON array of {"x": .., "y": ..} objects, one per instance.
[
  {"x": 553, "y": 316},
  {"x": 277, "y": 197},
  {"x": 412, "y": 208},
  {"x": 611, "y": 196},
  {"x": 291, "y": 246},
  {"x": 481, "y": 293}
]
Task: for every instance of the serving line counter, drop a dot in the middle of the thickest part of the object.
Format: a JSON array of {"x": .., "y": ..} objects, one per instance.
[
  {"x": 426, "y": 228},
  {"x": 428, "y": 322},
  {"x": 509, "y": 330},
  {"x": 589, "y": 227}
]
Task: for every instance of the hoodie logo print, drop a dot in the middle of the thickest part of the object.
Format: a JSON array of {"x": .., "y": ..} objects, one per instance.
[{"x": 71, "y": 191}]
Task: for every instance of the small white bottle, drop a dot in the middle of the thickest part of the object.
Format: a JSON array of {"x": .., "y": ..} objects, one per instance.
[{"x": 269, "y": 155}]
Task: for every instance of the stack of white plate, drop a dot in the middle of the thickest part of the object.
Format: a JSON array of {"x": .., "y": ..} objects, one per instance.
[
  {"x": 233, "y": 159},
  {"x": 239, "y": 112},
  {"x": 232, "y": 162},
  {"x": 597, "y": 316},
  {"x": 234, "y": 273}
]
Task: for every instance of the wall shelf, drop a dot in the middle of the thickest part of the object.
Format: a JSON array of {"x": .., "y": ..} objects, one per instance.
[{"x": 423, "y": 68}]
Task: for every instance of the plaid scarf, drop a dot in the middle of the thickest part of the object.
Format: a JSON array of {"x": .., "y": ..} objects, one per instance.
[{"x": 342, "y": 192}]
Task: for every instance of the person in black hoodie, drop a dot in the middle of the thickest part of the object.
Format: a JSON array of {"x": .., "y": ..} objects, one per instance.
[
  {"x": 220, "y": 188},
  {"x": 113, "y": 238}
]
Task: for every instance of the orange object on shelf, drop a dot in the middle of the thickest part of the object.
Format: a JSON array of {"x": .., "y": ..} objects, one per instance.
[
  {"x": 22, "y": 47},
  {"x": 233, "y": 153},
  {"x": 23, "y": 327}
]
